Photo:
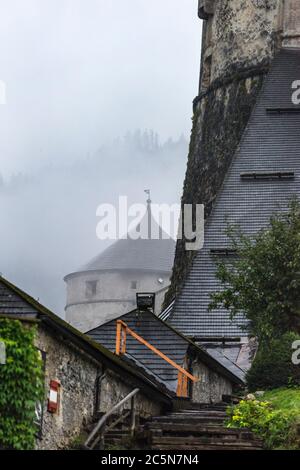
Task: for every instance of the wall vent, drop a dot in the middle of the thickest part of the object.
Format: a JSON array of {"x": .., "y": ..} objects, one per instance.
[
  {"x": 223, "y": 251},
  {"x": 270, "y": 175},
  {"x": 293, "y": 110}
]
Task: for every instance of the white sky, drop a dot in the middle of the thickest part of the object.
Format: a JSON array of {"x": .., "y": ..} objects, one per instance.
[{"x": 79, "y": 72}]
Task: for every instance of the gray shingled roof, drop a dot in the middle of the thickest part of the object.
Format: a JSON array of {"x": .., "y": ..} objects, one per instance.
[
  {"x": 143, "y": 254},
  {"x": 13, "y": 304},
  {"x": 271, "y": 143},
  {"x": 164, "y": 338},
  {"x": 128, "y": 254},
  {"x": 153, "y": 331}
]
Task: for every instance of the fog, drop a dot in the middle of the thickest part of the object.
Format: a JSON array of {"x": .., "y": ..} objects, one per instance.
[{"x": 86, "y": 82}]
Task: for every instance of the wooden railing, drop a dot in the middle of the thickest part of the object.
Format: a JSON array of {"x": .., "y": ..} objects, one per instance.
[
  {"x": 97, "y": 435},
  {"x": 183, "y": 375}
]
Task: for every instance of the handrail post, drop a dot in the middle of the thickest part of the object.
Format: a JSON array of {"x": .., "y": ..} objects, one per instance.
[
  {"x": 92, "y": 440},
  {"x": 124, "y": 338},
  {"x": 179, "y": 384},
  {"x": 185, "y": 386},
  {"x": 133, "y": 416},
  {"x": 118, "y": 338}
]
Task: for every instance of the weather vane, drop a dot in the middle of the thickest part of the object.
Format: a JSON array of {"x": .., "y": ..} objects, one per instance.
[{"x": 147, "y": 191}]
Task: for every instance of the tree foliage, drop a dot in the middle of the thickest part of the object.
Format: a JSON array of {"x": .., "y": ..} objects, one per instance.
[
  {"x": 263, "y": 281},
  {"x": 21, "y": 386},
  {"x": 273, "y": 366}
]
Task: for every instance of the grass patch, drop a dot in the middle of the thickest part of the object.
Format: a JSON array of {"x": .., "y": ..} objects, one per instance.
[{"x": 275, "y": 418}]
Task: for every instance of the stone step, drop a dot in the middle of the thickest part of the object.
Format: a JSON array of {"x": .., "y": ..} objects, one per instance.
[
  {"x": 197, "y": 443},
  {"x": 171, "y": 428},
  {"x": 193, "y": 421},
  {"x": 203, "y": 447},
  {"x": 179, "y": 404},
  {"x": 197, "y": 413}
]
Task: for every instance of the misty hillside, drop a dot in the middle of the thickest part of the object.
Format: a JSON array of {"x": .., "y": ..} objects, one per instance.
[{"x": 48, "y": 217}]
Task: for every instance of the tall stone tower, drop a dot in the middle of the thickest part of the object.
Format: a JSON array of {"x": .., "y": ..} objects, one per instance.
[{"x": 240, "y": 40}]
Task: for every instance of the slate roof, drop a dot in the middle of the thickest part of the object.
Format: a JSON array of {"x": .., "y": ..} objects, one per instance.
[
  {"x": 163, "y": 337},
  {"x": 140, "y": 255},
  {"x": 271, "y": 143},
  {"x": 12, "y": 304},
  {"x": 148, "y": 253}
]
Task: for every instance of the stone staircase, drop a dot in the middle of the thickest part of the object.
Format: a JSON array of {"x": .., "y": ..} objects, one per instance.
[{"x": 197, "y": 427}]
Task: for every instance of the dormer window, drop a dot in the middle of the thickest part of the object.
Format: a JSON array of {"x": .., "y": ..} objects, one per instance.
[
  {"x": 268, "y": 175},
  {"x": 91, "y": 289}
]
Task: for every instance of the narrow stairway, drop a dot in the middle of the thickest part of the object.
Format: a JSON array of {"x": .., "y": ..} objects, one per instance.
[{"x": 197, "y": 429}]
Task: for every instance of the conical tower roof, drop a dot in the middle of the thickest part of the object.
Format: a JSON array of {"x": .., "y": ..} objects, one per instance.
[{"x": 145, "y": 253}]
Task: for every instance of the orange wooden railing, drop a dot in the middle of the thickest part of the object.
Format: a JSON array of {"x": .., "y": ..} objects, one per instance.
[{"x": 183, "y": 375}]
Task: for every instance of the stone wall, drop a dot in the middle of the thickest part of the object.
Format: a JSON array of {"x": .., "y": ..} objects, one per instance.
[
  {"x": 240, "y": 39},
  {"x": 211, "y": 386},
  {"x": 110, "y": 395},
  {"x": 77, "y": 374},
  {"x": 240, "y": 34}
]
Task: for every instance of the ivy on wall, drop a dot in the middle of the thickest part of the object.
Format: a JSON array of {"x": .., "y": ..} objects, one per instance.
[{"x": 21, "y": 385}]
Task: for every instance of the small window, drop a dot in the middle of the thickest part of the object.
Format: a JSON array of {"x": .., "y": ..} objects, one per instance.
[
  {"x": 91, "y": 288},
  {"x": 133, "y": 284}
]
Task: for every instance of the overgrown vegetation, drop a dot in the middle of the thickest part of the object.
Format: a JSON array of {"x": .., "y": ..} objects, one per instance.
[
  {"x": 21, "y": 386},
  {"x": 275, "y": 418},
  {"x": 263, "y": 282},
  {"x": 273, "y": 366}
]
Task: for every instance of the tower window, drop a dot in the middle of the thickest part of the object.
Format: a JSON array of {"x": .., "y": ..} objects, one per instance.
[
  {"x": 133, "y": 284},
  {"x": 91, "y": 288}
]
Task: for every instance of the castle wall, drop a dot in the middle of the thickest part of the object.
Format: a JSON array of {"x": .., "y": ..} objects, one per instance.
[
  {"x": 291, "y": 23},
  {"x": 239, "y": 41}
]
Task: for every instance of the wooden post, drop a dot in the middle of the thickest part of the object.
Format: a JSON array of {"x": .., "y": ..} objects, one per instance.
[
  {"x": 132, "y": 416},
  {"x": 118, "y": 338},
  {"x": 179, "y": 384},
  {"x": 185, "y": 386},
  {"x": 124, "y": 338}
]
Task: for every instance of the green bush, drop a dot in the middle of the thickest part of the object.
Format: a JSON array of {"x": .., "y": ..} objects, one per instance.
[
  {"x": 277, "y": 428},
  {"x": 272, "y": 366},
  {"x": 21, "y": 386}
]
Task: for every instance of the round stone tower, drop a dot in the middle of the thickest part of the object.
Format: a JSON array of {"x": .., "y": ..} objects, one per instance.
[
  {"x": 106, "y": 287},
  {"x": 239, "y": 41}
]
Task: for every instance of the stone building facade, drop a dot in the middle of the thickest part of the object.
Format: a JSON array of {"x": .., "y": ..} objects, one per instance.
[
  {"x": 81, "y": 395},
  {"x": 89, "y": 379},
  {"x": 240, "y": 40}
]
